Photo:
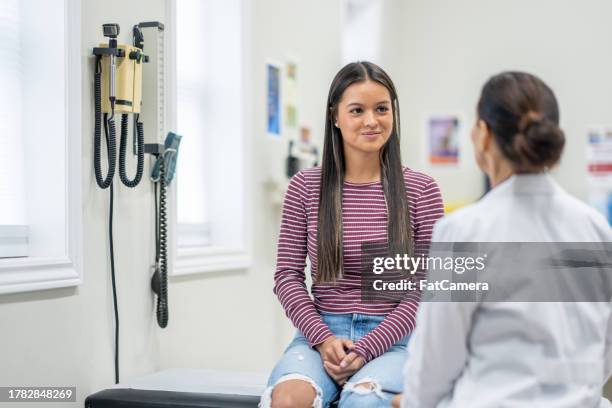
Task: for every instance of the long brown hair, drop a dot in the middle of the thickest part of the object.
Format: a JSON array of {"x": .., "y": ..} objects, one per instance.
[{"x": 329, "y": 236}]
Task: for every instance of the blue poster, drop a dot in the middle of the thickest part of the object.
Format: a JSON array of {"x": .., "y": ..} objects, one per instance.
[{"x": 274, "y": 109}]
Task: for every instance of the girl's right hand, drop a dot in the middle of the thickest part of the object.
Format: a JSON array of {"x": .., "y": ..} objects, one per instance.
[{"x": 334, "y": 349}]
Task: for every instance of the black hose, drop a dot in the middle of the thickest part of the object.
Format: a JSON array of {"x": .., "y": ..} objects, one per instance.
[
  {"x": 115, "y": 306},
  {"x": 123, "y": 147},
  {"x": 109, "y": 133},
  {"x": 112, "y": 258}
]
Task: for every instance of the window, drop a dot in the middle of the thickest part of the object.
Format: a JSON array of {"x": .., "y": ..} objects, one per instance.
[
  {"x": 40, "y": 135},
  {"x": 13, "y": 220},
  {"x": 210, "y": 115}
]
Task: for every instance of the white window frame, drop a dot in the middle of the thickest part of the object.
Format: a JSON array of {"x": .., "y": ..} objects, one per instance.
[
  {"x": 38, "y": 273},
  {"x": 218, "y": 256}
]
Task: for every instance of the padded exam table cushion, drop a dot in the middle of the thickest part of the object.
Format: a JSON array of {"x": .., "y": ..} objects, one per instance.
[{"x": 184, "y": 388}]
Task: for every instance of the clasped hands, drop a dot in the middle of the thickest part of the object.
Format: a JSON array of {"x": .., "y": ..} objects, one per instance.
[{"x": 339, "y": 361}]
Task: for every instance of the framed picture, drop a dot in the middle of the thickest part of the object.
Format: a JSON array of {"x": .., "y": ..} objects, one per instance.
[
  {"x": 442, "y": 133},
  {"x": 273, "y": 79},
  {"x": 290, "y": 97}
]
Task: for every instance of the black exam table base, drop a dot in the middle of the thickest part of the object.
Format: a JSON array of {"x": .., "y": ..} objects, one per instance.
[
  {"x": 189, "y": 388},
  {"x": 132, "y": 398}
]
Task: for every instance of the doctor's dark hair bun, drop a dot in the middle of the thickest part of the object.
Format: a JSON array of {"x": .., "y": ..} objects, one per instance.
[{"x": 522, "y": 113}]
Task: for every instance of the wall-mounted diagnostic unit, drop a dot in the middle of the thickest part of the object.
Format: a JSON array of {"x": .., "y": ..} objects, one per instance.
[{"x": 130, "y": 80}]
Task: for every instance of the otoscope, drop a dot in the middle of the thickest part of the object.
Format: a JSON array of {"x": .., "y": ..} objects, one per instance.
[{"x": 111, "y": 31}]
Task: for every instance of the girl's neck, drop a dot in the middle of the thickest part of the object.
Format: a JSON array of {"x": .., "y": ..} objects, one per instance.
[{"x": 362, "y": 168}]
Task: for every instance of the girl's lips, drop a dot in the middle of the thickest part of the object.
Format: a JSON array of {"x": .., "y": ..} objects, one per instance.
[{"x": 371, "y": 135}]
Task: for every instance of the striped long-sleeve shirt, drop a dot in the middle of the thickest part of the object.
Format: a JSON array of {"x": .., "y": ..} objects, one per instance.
[{"x": 364, "y": 217}]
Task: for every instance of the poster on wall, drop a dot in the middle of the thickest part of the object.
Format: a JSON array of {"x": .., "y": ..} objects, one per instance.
[
  {"x": 442, "y": 135},
  {"x": 599, "y": 152},
  {"x": 599, "y": 168},
  {"x": 290, "y": 97},
  {"x": 273, "y": 99}
]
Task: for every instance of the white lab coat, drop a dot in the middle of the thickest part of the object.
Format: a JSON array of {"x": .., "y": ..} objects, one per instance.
[{"x": 513, "y": 354}]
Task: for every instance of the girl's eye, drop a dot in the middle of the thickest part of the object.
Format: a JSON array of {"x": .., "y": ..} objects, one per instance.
[
  {"x": 383, "y": 109},
  {"x": 355, "y": 110}
]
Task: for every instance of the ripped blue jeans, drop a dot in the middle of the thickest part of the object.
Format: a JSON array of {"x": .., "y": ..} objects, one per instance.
[{"x": 300, "y": 361}]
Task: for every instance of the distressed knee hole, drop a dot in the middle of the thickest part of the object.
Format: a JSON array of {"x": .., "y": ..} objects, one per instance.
[
  {"x": 363, "y": 387},
  {"x": 367, "y": 386},
  {"x": 266, "y": 398}
]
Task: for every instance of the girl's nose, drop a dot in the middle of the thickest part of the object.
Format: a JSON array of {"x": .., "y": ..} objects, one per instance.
[{"x": 369, "y": 119}]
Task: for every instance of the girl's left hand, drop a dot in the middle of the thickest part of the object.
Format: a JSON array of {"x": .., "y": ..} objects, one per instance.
[{"x": 347, "y": 367}]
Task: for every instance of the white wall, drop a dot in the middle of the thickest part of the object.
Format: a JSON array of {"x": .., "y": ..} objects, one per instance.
[{"x": 441, "y": 52}]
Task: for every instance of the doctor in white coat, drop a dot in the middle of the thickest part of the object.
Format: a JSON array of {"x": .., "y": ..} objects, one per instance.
[{"x": 502, "y": 354}]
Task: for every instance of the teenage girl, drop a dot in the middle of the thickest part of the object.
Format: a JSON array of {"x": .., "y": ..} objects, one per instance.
[{"x": 345, "y": 347}]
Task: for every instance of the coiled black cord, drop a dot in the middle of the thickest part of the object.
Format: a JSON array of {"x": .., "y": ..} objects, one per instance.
[
  {"x": 159, "y": 282},
  {"x": 109, "y": 131},
  {"x": 122, "y": 148},
  {"x": 162, "y": 300}
]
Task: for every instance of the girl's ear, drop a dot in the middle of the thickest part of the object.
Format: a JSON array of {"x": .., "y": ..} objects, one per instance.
[{"x": 334, "y": 115}]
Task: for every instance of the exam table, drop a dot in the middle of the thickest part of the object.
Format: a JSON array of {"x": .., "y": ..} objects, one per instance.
[{"x": 175, "y": 388}]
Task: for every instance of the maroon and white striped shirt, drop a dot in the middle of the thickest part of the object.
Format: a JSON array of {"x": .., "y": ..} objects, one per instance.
[{"x": 364, "y": 217}]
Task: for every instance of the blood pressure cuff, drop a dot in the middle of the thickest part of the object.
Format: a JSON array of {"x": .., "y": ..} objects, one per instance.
[{"x": 170, "y": 155}]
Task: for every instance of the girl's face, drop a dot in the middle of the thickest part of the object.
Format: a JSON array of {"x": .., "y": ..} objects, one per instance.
[{"x": 365, "y": 118}]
